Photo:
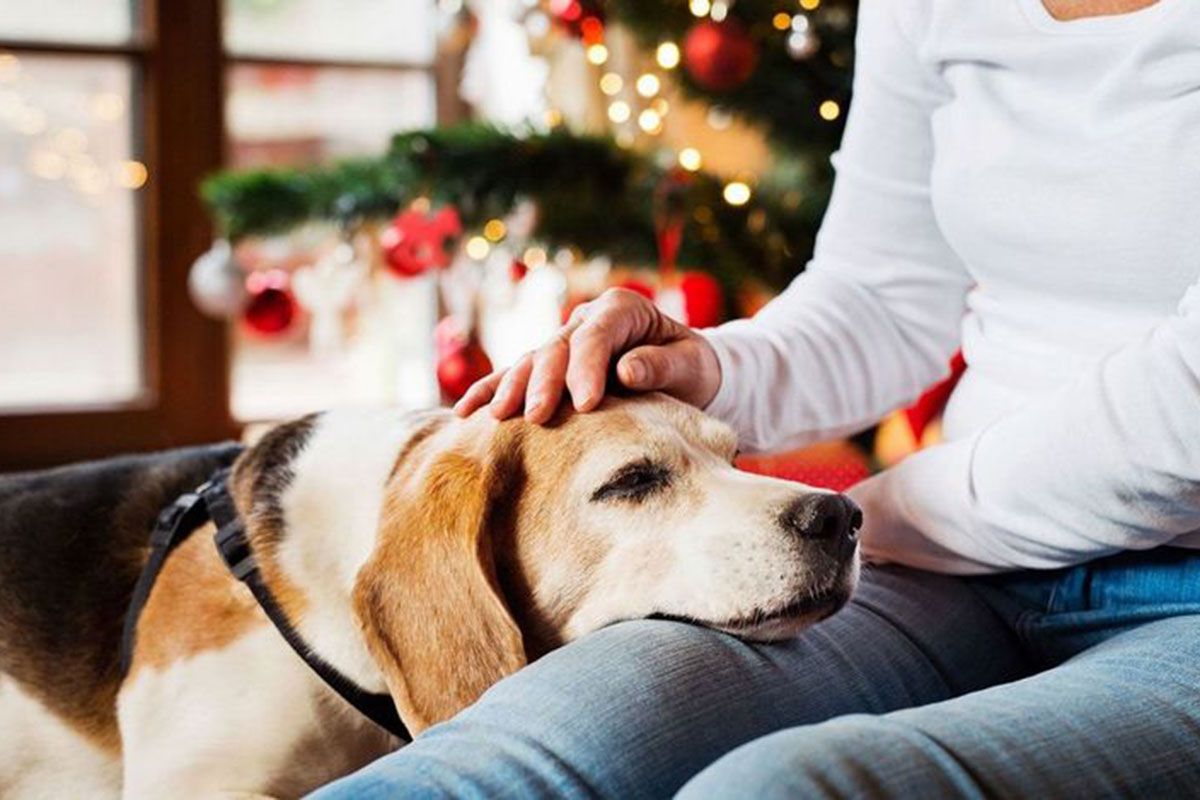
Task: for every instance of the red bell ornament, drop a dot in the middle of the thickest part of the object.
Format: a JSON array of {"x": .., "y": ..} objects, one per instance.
[
  {"x": 719, "y": 56},
  {"x": 271, "y": 309},
  {"x": 703, "y": 300},
  {"x": 416, "y": 242}
]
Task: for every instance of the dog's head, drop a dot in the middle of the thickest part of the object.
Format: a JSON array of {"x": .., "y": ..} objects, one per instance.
[{"x": 434, "y": 555}]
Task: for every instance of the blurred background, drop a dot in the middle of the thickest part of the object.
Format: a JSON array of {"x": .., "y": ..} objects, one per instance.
[{"x": 216, "y": 215}]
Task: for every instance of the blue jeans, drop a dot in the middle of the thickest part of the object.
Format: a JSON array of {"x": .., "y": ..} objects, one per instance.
[{"x": 1081, "y": 682}]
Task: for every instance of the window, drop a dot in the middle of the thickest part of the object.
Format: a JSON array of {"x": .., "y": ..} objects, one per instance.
[{"x": 109, "y": 116}]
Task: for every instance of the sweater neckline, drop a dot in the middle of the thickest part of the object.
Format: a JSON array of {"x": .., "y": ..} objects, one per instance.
[{"x": 1107, "y": 25}]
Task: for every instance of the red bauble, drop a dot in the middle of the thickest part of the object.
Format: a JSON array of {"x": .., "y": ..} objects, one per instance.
[
  {"x": 271, "y": 308},
  {"x": 719, "y": 56},
  {"x": 416, "y": 242},
  {"x": 517, "y": 270},
  {"x": 641, "y": 287},
  {"x": 461, "y": 359},
  {"x": 583, "y": 19},
  {"x": 703, "y": 300}
]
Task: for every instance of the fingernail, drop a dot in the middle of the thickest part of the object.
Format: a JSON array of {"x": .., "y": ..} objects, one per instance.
[
  {"x": 536, "y": 400},
  {"x": 635, "y": 370},
  {"x": 585, "y": 397}
]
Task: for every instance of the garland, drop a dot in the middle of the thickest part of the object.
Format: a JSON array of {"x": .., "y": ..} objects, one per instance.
[{"x": 591, "y": 194}]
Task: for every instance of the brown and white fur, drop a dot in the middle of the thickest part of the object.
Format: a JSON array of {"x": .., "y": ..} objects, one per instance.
[{"x": 427, "y": 557}]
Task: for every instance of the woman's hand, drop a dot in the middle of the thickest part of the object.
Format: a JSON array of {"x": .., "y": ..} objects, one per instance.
[{"x": 655, "y": 353}]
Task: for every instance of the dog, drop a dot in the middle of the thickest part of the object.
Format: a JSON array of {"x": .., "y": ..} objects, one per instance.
[{"x": 422, "y": 555}]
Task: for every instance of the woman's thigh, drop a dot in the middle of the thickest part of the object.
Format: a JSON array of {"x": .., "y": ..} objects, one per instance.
[
  {"x": 636, "y": 709},
  {"x": 1118, "y": 720}
]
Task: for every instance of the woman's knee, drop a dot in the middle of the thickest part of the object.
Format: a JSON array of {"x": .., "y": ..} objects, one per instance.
[{"x": 851, "y": 756}]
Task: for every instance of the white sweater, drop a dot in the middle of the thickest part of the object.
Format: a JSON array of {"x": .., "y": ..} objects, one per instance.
[{"x": 1029, "y": 189}]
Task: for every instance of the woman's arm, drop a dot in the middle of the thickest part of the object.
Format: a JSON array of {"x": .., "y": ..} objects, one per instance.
[
  {"x": 876, "y": 316},
  {"x": 1108, "y": 463}
]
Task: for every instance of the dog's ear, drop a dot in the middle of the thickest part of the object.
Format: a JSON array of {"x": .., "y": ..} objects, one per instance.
[{"x": 429, "y": 601}]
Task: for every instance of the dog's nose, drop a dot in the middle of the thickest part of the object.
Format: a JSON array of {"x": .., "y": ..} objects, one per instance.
[{"x": 832, "y": 519}]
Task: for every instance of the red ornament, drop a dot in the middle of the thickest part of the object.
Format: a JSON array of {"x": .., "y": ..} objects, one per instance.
[
  {"x": 583, "y": 19},
  {"x": 703, "y": 300},
  {"x": 719, "y": 56},
  {"x": 517, "y": 270},
  {"x": 461, "y": 359},
  {"x": 416, "y": 242},
  {"x": 934, "y": 399},
  {"x": 271, "y": 308},
  {"x": 641, "y": 287}
]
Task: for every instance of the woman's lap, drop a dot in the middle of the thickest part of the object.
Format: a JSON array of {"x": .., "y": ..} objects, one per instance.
[
  {"x": 1120, "y": 719},
  {"x": 637, "y": 709}
]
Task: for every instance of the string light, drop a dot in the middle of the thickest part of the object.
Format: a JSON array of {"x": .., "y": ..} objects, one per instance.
[
  {"x": 661, "y": 106},
  {"x": 720, "y": 9},
  {"x": 132, "y": 174},
  {"x": 689, "y": 159},
  {"x": 699, "y": 8},
  {"x": 647, "y": 85},
  {"x": 667, "y": 55},
  {"x": 800, "y": 23},
  {"x": 619, "y": 112},
  {"x": 611, "y": 83},
  {"x": 829, "y": 110},
  {"x": 478, "y": 248},
  {"x": 781, "y": 21},
  {"x": 534, "y": 257},
  {"x": 597, "y": 54},
  {"x": 810, "y": 5},
  {"x": 650, "y": 121},
  {"x": 718, "y": 118},
  {"x": 736, "y": 193},
  {"x": 494, "y": 230}
]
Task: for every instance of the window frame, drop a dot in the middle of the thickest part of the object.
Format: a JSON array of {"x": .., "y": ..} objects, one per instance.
[{"x": 184, "y": 355}]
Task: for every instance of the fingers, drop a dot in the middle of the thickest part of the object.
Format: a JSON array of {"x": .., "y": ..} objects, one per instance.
[
  {"x": 687, "y": 369},
  {"x": 510, "y": 394},
  {"x": 616, "y": 320},
  {"x": 547, "y": 379},
  {"x": 650, "y": 367},
  {"x": 479, "y": 395}
]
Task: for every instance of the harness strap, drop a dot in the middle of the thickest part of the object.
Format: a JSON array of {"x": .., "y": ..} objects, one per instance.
[{"x": 213, "y": 501}]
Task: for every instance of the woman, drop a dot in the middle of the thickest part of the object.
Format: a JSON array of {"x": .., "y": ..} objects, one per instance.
[{"x": 1018, "y": 178}]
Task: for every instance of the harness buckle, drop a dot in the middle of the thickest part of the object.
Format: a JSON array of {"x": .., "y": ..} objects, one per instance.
[{"x": 235, "y": 550}]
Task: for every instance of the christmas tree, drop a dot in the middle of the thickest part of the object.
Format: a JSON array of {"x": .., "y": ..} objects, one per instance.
[{"x": 557, "y": 187}]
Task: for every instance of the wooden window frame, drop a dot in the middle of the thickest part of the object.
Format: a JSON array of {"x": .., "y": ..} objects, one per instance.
[
  {"x": 177, "y": 60},
  {"x": 180, "y": 60}
]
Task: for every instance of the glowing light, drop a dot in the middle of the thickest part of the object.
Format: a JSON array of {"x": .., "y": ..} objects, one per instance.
[
  {"x": 108, "y": 106},
  {"x": 478, "y": 248},
  {"x": 782, "y": 21},
  {"x": 132, "y": 174},
  {"x": 650, "y": 121},
  {"x": 552, "y": 117},
  {"x": 597, "y": 54},
  {"x": 611, "y": 83},
  {"x": 720, "y": 9},
  {"x": 494, "y": 230},
  {"x": 809, "y": 5},
  {"x": 800, "y": 23},
  {"x": 619, "y": 112},
  {"x": 534, "y": 257},
  {"x": 829, "y": 110},
  {"x": 718, "y": 118},
  {"x": 47, "y": 164},
  {"x": 647, "y": 85},
  {"x": 736, "y": 193},
  {"x": 699, "y": 8},
  {"x": 661, "y": 106},
  {"x": 689, "y": 159},
  {"x": 667, "y": 55}
]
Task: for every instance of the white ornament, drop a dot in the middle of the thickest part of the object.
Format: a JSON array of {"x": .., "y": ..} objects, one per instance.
[
  {"x": 325, "y": 289},
  {"x": 216, "y": 282},
  {"x": 502, "y": 80}
]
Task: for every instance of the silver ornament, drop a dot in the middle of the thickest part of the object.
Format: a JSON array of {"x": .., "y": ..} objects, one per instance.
[{"x": 216, "y": 283}]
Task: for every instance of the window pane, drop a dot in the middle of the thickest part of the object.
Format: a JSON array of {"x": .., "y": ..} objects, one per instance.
[
  {"x": 87, "y": 22},
  {"x": 70, "y": 309},
  {"x": 356, "y": 30},
  {"x": 303, "y": 114}
]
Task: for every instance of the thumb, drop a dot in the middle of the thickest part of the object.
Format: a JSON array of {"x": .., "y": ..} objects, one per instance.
[{"x": 652, "y": 367}]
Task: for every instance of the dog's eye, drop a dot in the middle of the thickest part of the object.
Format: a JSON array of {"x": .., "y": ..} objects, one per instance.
[{"x": 635, "y": 481}]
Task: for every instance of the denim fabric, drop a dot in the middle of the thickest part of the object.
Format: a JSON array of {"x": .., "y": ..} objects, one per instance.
[{"x": 1082, "y": 681}]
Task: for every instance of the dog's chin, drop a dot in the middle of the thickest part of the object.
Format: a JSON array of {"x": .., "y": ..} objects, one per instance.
[{"x": 786, "y": 620}]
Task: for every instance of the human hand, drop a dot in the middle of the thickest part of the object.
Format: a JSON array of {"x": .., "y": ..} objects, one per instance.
[{"x": 653, "y": 352}]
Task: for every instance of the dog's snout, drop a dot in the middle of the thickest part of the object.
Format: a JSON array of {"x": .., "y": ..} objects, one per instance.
[{"x": 831, "y": 518}]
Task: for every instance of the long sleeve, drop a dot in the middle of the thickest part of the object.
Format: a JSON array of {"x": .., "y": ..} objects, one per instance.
[
  {"x": 876, "y": 315},
  {"x": 1110, "y": 462}
]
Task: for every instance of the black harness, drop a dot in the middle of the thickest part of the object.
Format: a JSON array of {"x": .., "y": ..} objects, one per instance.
[{"x": 212, "y": 501}]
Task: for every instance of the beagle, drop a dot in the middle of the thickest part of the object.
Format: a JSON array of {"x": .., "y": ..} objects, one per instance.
[{"x": 422, "y": 555}]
